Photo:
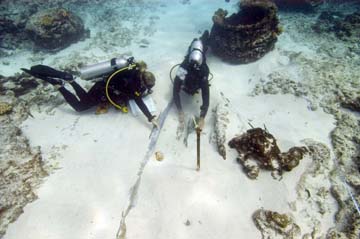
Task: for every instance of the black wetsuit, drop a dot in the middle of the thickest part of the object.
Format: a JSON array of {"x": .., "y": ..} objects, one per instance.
[
  {"x": 191, "y": 80},
  {"x": 123, "y": 86}
]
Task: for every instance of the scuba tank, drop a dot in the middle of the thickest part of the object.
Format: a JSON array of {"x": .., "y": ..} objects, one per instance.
[
  {"x": 196, "y": 52},
  {"x": 196, "y": 44},
  {"x": 106, "y": 67}
]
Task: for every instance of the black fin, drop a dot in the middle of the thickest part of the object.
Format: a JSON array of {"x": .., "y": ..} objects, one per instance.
[{"x": 47, "y": 71}]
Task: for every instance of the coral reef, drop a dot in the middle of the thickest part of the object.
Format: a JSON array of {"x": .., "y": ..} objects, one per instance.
[
  {"x": 297, "y": 3},
  {"x": 19, "y": 84},
  {"x": 12, "y": 35},
  {"x": 22, "y": 167},
  {"x": 128, "y": 22},
  {"x": 260, "y": 145},
  {"x": 5, "y": 108},
  {"x": 345, "y": 27},
  {"x": 351, "y": 104},
  {"x": 327, "y": 79},
  {"x": 272, "y": 224},
  {"x": 313, "y": 189},
  {"x": 55, "y": 29},
  {"x": 347, "y": 217},
  {"x": 247, "y": 35},
  {"x": 7, "y": 25},
  {"x": 18, "y": 180},
  {"x": 221, "y": 122}
]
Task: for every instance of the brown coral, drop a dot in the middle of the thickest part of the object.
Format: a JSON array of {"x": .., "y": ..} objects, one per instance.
[
  {"x": 273, "y": 223},
  {"x": 291, "y": 158},
  {"x": 5, "y": 108},
  {"x": 261, "y": 146}
]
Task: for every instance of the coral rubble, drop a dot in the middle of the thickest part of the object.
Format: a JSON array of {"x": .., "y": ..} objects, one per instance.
[
  {"x": 18, "y": 180},
  {"x": 22, "y": 167},
  {"x": 55, "y": 28},
  {"x": 247, "y": 35},
  {"x": 345, "y": 27},
  {"x": 5, "y": 108},
  {"x": 18, "y": 84},
  {"x": 260, "y": 145},
  {"x": 351, "y": 104},
  {"x": 328, "y": 80},
  {"x": 273, "y": 223},
  {"x": 297, "y": 3}
]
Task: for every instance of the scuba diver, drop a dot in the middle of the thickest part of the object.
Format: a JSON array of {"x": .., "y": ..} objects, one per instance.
[
  {"x": 192, "y": 76},
  {"x": 122, "y": 80}
]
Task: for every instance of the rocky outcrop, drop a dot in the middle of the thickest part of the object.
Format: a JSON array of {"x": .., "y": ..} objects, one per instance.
[
  {"x": 55, "y": 28},
  {"x": 345, "y": 27},
  {"x": 275, "y": 225}
]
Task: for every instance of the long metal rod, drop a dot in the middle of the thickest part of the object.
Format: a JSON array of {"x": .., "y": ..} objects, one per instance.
[{"x": 198, "y": 131}]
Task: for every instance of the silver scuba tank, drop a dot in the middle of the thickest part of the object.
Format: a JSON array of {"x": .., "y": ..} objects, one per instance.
[
  {"x": 196, "y": 52},
  {"x": 197, "y": 44},
  {"x": 106, "y": 67}
]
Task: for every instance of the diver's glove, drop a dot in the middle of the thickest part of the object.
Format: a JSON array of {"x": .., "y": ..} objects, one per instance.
[
  {"x": 154, "y": 122},
  {"x": 201, "y": 123},
  {"x": 42, "y": 72}
]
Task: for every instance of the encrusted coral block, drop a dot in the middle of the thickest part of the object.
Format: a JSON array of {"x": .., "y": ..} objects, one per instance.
[{"x": 247, "y": 35}]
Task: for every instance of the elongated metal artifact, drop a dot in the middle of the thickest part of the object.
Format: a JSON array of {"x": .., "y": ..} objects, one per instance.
[{"x": 198, "y": 131}]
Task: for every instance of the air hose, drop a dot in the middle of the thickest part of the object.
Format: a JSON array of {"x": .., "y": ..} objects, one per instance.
[{"x": 123, "y": 109}]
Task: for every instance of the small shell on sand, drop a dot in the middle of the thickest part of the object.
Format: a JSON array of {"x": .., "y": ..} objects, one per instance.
[{"x": 159, "y": 156}]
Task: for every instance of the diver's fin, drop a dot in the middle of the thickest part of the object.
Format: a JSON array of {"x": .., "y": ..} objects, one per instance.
[
  {"x": 43, "y": 77},
  {"x": 29, "y": 72},
  {"x": 47, "y": 71}
]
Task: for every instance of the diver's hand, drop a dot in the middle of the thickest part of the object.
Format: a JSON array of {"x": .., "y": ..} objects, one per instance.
[
  {"x": 201, "y": 123},
  {"x": 155, "y": 123}
]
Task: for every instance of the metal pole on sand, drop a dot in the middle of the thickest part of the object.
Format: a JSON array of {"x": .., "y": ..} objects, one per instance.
[{"x": 198, "y": 132}]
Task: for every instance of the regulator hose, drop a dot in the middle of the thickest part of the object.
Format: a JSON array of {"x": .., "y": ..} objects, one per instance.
[{"x": 123, "y": 109}]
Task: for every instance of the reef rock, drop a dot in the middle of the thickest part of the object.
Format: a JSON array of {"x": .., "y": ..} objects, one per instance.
[
  {"x": 352, "y": 104},
  {"x": 273, "y": 224},
  {"x": 247, "y": 35},
  {"x": 19, "y": 84},
  {"x": 7, "y": 25},
  {"x": 347, "y": 218},
  {"x": 346, "y": 28},
  {"x": 261, "y": 146},
  {"x": 55, "y": 28},
  {"x": 5, "y": 108}
]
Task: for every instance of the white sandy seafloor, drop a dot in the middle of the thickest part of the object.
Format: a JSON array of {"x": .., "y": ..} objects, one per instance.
[{"x": 96, "y": 192}]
